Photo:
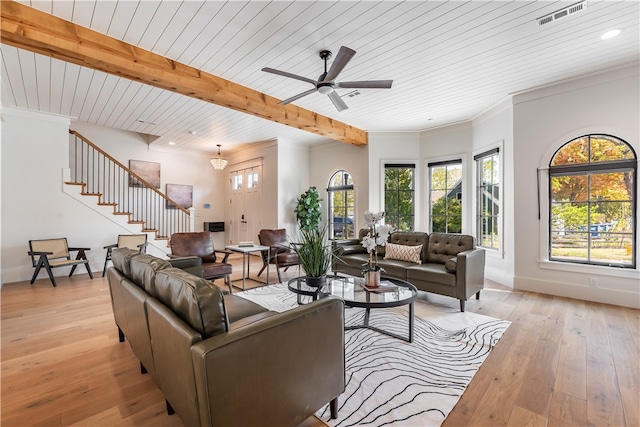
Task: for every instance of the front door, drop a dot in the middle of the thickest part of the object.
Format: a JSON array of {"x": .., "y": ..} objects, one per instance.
[{"x": 246, "y": 205}]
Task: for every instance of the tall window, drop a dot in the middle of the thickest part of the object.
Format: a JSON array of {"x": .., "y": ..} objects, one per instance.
[
  {"x": 341, "y": 206},
  {"x": 488, "y": 198},
  {"x": 399, "y": 195},
  {"x": 592, "y": 190},
  {"x": 445, "y": 196}
]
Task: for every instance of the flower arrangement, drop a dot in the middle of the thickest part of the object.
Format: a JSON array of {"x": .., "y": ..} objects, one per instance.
[{"x": 377, "y": 236}]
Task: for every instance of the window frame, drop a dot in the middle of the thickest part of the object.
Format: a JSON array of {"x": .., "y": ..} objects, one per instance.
[
  {"x": 587, "y": 169},
  {"x": 477, "y": 158},
  {"x": 430, "y": 165},
  {"x": 404, "y": 165},
  {"x": 330, "y": 208}
]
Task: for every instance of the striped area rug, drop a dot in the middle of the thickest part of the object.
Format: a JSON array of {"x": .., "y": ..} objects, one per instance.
[{"x": 394, "y": 383}]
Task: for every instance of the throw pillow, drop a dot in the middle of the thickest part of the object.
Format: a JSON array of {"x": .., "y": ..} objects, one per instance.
[
  {"x": 451, "y": 265},
  {"x": 403, "y": 253}
]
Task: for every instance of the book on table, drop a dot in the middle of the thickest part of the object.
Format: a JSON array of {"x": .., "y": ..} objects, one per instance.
[
  {"x": 245, "y": 244},
  {"x": 385, "y": 286}
]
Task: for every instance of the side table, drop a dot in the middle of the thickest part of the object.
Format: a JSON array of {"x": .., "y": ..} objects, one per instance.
[{"x": 246, "y": 250}]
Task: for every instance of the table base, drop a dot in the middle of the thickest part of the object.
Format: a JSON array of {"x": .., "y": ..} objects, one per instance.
[{"x": 366, "y": 325}]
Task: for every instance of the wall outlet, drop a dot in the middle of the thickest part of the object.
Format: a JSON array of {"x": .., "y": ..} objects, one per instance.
[{"x": 593, "y": 282}]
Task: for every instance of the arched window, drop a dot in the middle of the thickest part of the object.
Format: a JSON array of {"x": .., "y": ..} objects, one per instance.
[
  {"x": 592, "y": 199},
  {"x": 341, "y": 206}
]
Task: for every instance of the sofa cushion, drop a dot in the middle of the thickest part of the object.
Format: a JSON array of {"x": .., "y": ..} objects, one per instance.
[
  {"x": 144, "y": 269},
  {"x": 238, "y": 308},
  {"x": 352, "y": 249},
  {"x": 394, "y": 268},
  {"x": 121, "y": 259},
  {"x": 403, "y": 252},
  {"x": 434, "y": 273},
  {"x": 442, "y": 247},
  {"x": 194, "y": 300}
]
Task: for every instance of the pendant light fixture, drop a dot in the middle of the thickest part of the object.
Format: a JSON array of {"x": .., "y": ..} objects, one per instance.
[{"x": 218, "y": 162}]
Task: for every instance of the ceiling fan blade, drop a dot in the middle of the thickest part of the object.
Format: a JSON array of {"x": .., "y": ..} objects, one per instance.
[
  {"x": 342, "y": 59},
  {"x": 337, "y": 101},
  {"x": 368, "y": 84},
  {"x": 298, "y": 96},
  {"x": 285, "y": 74}
]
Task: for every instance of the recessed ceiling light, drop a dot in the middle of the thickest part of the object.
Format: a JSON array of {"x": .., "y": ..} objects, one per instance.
[
  {"x": 172, "y": 143},
  {"x": 610, "y": 34}
]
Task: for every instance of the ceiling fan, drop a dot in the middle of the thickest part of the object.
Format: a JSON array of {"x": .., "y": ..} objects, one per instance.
[{"x": 326, "y": 83}]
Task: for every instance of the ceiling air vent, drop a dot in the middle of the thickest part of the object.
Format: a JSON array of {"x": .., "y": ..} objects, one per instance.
[{"x": 569, "y": 10}]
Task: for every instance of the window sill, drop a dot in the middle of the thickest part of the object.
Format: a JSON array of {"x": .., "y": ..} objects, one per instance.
[{"x": 627, "y": 273}]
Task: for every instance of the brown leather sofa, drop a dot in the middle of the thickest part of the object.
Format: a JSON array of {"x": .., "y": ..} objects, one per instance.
[
  {"x": 200, "y": 244},
  {"x": 450, "y": 264},
  {"x": 220, "y": 359}
]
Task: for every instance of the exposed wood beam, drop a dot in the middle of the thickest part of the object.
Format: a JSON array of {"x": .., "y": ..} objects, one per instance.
[{"x": 30, "y": 29}]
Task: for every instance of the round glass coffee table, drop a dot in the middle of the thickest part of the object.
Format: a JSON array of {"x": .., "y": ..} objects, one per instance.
[{"x": 392, "y": 293}]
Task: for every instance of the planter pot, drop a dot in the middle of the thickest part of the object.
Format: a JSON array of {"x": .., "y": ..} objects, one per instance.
[
  {"x": 316, "y": 282},
  {"x": 372, "y": 278}
]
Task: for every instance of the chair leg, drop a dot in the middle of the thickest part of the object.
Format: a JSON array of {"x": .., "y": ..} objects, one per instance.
[
  {"x": 104, "y": 269},
  {"x": 37, "y": 270},
  {"x": 120, "y": 335},
  {"x": 227, "y": 280},
  {"x": 170, "y": 410},
  {"x": 143, "y": 370},
  {"x": 478, "y": 295},
  {"x": 333, "y": 405},
  {"x": 462, "y": 305},
  {"x": 89, "y": 270},
  {"x": 262, "y": 269}
]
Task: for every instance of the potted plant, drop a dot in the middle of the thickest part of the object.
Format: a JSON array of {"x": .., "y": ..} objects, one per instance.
[
  {"x": 308, "y": 209},
  {"x": 315, "y": 255},
  {"x": 377, "y": 236}
]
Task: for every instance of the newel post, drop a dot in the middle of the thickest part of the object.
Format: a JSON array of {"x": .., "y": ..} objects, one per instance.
[{"x": 192, "y": 219}]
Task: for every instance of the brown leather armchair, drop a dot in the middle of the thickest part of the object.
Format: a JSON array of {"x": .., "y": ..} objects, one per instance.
[
  {"x": 200, "y": 244},
  {"x": 281, "y": 254}
]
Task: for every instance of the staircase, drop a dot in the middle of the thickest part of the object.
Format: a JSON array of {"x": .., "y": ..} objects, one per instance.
[{"x": 108, "y": 187}]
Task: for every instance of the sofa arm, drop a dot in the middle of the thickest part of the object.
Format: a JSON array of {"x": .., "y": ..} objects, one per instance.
[
  {"x": 288, "y": 366},
  {"x": 470, "y": 273},
  {"x": 190, "y": 264}
]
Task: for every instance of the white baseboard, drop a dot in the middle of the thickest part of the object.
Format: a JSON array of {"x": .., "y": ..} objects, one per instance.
[{"x": 570, "y": 290}]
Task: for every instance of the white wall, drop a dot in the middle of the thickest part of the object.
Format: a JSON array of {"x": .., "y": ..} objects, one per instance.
[
  {"x": 450, "y": 143},
  {"x": 493, "y": 129},
  {"x": 394, "y": 147},
  {"x": 326, "y": 159},
  {"x": 293, "y": 180},
  {"x": 544, "y": 121},
  {"x": 34, "y": 153}
]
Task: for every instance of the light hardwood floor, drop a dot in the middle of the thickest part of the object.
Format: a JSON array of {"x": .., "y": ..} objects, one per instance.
[{"x": 561, "y": 362}]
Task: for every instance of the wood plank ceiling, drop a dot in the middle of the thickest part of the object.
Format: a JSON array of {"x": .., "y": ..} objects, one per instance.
[{"x": 449, "y": 61}]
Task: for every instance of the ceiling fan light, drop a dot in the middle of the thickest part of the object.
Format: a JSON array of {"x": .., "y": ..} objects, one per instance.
[
  {"x": 218, "y": 163},
  {"x": 325, "y": 90}
]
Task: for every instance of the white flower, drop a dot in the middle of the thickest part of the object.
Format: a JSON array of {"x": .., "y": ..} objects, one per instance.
[
  {"x": 369, "y": 243},
  {"x": 371, "y": 218},
  {"x": 383, "y": 234}
]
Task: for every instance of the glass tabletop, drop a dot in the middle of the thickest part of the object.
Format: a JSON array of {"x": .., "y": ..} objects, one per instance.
[{"x": 392, "y": 292}]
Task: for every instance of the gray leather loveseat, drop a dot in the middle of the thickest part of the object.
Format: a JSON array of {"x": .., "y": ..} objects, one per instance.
[
  {"x": 447, "y": 264},
  {"x": 220, "y": 359}
]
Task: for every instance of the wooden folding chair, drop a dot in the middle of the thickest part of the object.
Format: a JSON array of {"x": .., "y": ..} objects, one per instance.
[
  {"x": 52, "y": 253},
  {"x": 131, "y": 241}
]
